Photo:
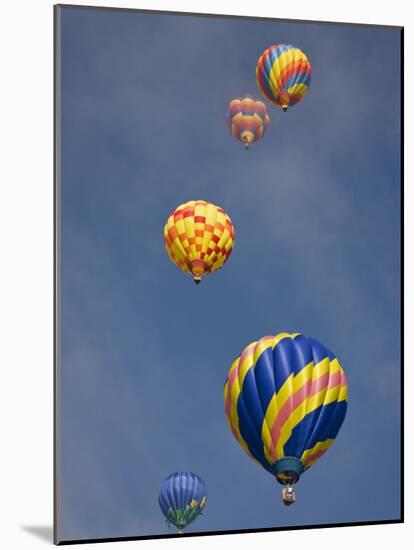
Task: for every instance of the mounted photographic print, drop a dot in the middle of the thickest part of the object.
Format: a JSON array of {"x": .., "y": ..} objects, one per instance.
[{"x": 228, "y": 339}]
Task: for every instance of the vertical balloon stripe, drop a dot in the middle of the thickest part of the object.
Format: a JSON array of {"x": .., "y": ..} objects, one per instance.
[
  {"x": 264, "y": 379},
  {"x": 249, "y": 433},
  {"x": 175, "y": 497},
  {"x": 232, "y": 377},
  {"x": 271, "y": 77},
  {"x": 232, "y": 391},
  {"x": 263, "y": 83},
  {"x": 250, "y": 398},
  {"x": 250, "y": 411}
]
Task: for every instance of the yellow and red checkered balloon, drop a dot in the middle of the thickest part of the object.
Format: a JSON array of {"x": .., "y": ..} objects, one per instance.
[{"x": 199, "y": 237}]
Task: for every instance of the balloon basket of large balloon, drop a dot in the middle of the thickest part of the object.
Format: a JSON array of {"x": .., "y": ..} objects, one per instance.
[
  {"x": 288, "y": 496},
  {"x": 197, "y": 279},
  {"x": 180, "y": 531},
  {"x": 284, "y": 108}
]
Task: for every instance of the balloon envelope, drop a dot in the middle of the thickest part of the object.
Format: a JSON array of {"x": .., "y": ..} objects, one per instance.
[
  {"x": 283, "y": 74},
  {"x": 199, "y": 237},
  {"x": 285, "y": 400},
  {"x": 182, "y": 498},
  {"x": 247, "y": 119}
]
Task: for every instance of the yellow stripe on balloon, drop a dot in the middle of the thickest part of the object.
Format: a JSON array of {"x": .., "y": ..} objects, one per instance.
[
  {"x": 235, "y": 392},
  {"x": 276, "y": 403},
  {"x": 343, "y": 390},
  {"x": 281, "y": 63},
  {"x": 298, "y": 89},
  {"x": 343, "y": 393},
  {"x": 320, "y": 446},
  {"x": 261, "y": 347},
  {"x": 274, "y": 82},
  {"x": 280, "y": 336},
  {"x": 247, "y": 362}
]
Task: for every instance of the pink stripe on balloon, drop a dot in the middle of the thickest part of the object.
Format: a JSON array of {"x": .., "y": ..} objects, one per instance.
[
  {"x": 335, "y": 380},
  {"x": 247, "y": 352},
  {"x": 234, "y": 374},
  {"x": 290, "y": 404},
  {"x": 319, "y": 384},
  {"x": 262, "y": 340},
  {"x": 230, "y": 382}
]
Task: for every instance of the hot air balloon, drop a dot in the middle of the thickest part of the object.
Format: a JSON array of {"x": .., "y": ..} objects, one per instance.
[
  {"x": 199, "y": 237},
  {"x": 285, "y": 399},
  {"x": 182, "y": 498},
  {"x": 283, "y": 74},
  {"x": 247, "y": 119}
]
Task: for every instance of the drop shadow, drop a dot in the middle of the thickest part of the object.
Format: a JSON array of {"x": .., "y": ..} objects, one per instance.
[{"x": 44, "y": 532}]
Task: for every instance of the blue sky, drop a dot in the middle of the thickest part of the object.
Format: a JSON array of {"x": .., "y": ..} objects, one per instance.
[{"x": 316, "y": 209}]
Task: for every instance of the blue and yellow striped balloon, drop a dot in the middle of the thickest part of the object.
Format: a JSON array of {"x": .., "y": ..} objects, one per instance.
[
  {"x": 283, "y": 74},
  {"x": 285, "y": 399}
]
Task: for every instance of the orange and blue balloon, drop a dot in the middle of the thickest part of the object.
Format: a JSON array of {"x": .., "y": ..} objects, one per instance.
[
  {"x": 285, "y": 400},
  {"x": 283, "y": 74},
  {"x": 247, "y": 119},
  {"x": 182, "y": 498}
]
